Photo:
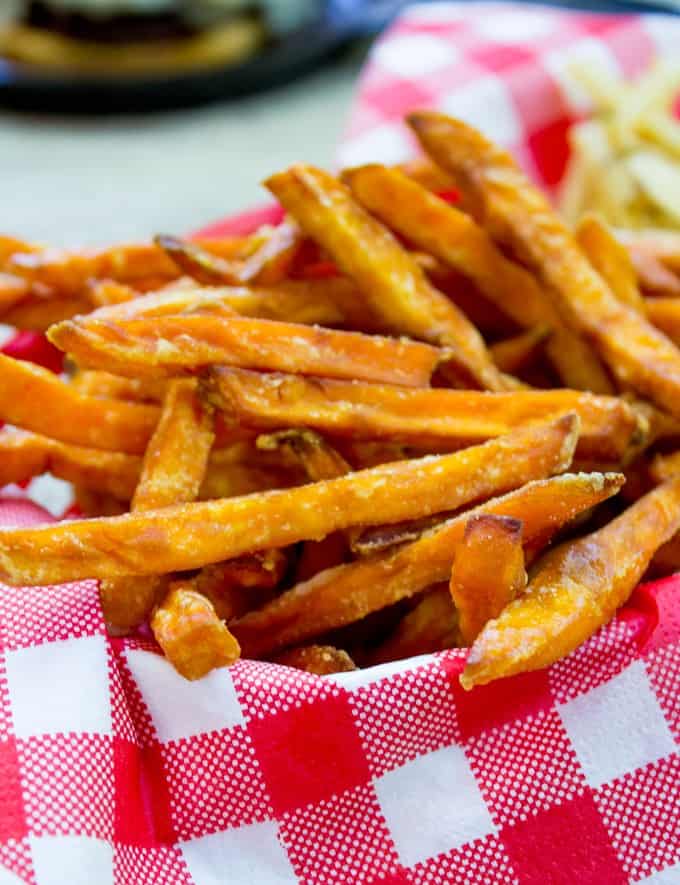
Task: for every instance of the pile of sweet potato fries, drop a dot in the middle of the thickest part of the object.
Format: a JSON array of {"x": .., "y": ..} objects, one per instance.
[{"x": 345, "y": 440}]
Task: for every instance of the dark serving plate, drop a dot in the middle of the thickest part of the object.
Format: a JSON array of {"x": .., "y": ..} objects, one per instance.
[{"x": 338, "y": 21}]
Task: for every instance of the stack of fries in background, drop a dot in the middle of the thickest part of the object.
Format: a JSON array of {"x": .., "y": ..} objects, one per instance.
[{"x": 345, "y": 440}]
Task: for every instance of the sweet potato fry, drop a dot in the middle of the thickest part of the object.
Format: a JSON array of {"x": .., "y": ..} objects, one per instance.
[
  {"x": 610, "y": 259},
  {"x": 515, "y": 354},
  {"x": 12, "y": 291},
  {"x": 451, "y": 235},
  {"x": 196, "y": 262},
  {"x": 107, "y": 386},
  {"x": 653, "y": 277},
  {"x": 389, "y": 278},
  {"x": 38, "y": 314},
  {"x": 454, "y": 418},
  {"x": 427, "y": 174},
  {"x": 576, "y": 589},
  {"x": 239, "y": 585},
  {"x": 488, "y": 571},
  {"x": 93, "y": 504},
  {"x": 191, "y": 634},
  {"x": 171, "y": 345},
  {"x": 664, "y": 313},
  {"x": 665, "y": 467},
  {"x": 318, "y": 659},
  {"x": 24, "y": 455},
  {"x": 664, "y": 245},
  {"x": 173, "y": 469},
  {"x": 319, "y": 459},
  {"x": 34, "y": 399},
  {"x": 517, "y": 214},
  {"x": 350, "y": 592},
  {"x": 431, "y": 626},
  {"x": 666, "y": 560},
  {"x": 104, "y": 293},
  {"x": 193, "y": 535}
]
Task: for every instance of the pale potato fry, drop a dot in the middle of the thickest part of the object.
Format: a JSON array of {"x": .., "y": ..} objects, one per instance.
[
  {"x": 387, "y": 275},
  {"x": 432, "y": 625},
  {"x": 513, "y": 355},
  {"x": 24, "y": 455},
  {"x": 428, "y": 417},
  {"x": 173, "y": 345},
  {"x": 516, "y": 213},
  {"x": 610, "y": 259},
  {"x": 191, "y": 634},
  {"x": 658, "y": 177},
  {"x": 488, "y": 571},
  {"x": 193, "y": 535},
  {"x": 318, "y": 659},
  {"x": 459, "y": 242},
  {"x": 34, "y": 399},
  {"x": 576, "y": 589},
  {"x": 350, "y": 592},
  {"x": 658, "y": 127}
]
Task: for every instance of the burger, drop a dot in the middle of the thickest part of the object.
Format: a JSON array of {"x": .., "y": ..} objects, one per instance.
[{"x": 138, "y": 36}]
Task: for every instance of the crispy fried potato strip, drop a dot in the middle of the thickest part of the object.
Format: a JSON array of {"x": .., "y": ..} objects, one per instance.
[
  {"x": 455, "y": 418},
  {"x": 318, "y": 659},
  {"x": 664, "y": 245},
  {"x": 653, "y": 277},
  {"x": 387, "y": 275},
  {"x": 576, "y": 589},
  {"x": 172, "y": 345},
  {"x": 193, "y": 535},
  {"x": 610, "y": 259},
  {"x": 517, "y": 214},
  {"x": 488, "y": 571},
  {"x": 239, "y": 585},
  {"x": 34, "y": 399},
  {"x": 518, "y": 353},
  {"x": 455, "y": 238},
  {"x": 348, "y": 593},
  {"x": 664, "y": 313}
]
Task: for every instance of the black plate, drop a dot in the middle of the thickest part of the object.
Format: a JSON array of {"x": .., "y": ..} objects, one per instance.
[{"x": 26, "y": 88}]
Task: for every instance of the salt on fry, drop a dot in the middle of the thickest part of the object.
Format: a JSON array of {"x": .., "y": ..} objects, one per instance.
[
  {"x": 173, "y": 345},
  {"x": 350, "y": 592},
  {"x": 518, "y": 214},
  {"x": 190, "y": 536},
  {"x": 387, "y": 275},
  {"x": 575, "y": 589},
  {"x": 488, "y": 571}
]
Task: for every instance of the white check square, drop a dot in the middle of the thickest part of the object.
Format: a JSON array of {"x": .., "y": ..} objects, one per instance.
[
  {"x": 486, "y": 104},
  {"x": 245, "y": 854},
  {"x": 588, "y": 51},
  {"x": 60, "y": 686},
  {"x": 77, "y": 860},
  {"x": 432, "y": 805},
  {"x": 381, "y": 144},
  {"x": 181, "y": 709},
  {"x": 617, "y": 727}
]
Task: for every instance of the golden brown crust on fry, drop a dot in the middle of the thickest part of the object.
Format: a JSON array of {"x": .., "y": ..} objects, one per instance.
[
  {"x": 610, "y": 259},
  {"x": 318, "y": 659},
  {"x": 653, "y": 277},
  {"x": 432, "y": 625},
  {"x": 516, "y": 354}
]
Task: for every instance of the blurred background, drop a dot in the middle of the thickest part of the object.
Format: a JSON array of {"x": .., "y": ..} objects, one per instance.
[{"x": 123, "y": 118}]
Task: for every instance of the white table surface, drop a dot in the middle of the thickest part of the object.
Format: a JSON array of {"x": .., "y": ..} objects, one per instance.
[{"x": 94, "y": 181}]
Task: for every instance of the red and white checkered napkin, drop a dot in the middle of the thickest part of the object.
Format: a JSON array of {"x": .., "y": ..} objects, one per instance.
[{"x": 114, "y": 769}]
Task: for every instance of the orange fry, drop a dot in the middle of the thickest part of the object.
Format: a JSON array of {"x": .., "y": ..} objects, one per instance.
[
  {"x": 666, "y": 560},
  {"x": 428, "y": 417},
  {"x": 108, "y": 386},
  {"x": 193, "y": 535},
  {"x": 517, "y": 214},
  {"x": 38, "y": 314},
  {"x": 191, "y": 634},
  {"x": 319, "y": 459},
  {"x": 488, "y": 571},
  {"x": 34, "y": 399},
  {"x": 427, "y": 174},
  {"x": 24, "y": 455},
  {"x": 239, "y": 585},
  {"x": 665, "y": 467},
  {"x": 610, "y": 259},
  {"x": 318, "y": 659},
  {"x": 576, "y": 589},
  {"x": 350, "y": 592},
  {"x": 391, "y": 281},
  {"x": 654, "y": 278},
  {"x": 429, "y": 627},
  {"x": 664, "y": 245},
  {"x": 664, "y": 313},
  {"x": 515, "y": 354},
  {"x": 453, "y": 237},
  {"x": 170, "y": 345}
]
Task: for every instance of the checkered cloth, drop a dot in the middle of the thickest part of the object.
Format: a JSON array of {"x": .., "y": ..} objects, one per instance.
[{"x": 114, "y": 769}]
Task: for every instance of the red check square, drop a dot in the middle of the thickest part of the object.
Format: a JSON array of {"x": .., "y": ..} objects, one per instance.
[
  {"x": 482, "y": 861},
  {"x": 567, "y": 844},
  {"x": 12, "y": 815},
  {"x": 310, "y": 752}
]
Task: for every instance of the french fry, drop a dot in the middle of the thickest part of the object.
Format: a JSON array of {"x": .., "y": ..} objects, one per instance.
[
  {"x": 488, "y": 571},
  {"x": 318, "y": 659},
  {"x": 427, "y": 174},
  {"x": 454, "y": 418},
  {"x": 610, "y": 259},
  {"x": 104, "y": 293},
  {"x": 665, "y": 467},
  {"x": 24, "y": 455},
  {"x": 12, "y": 291},
  {"x": 108, "y": 386},
  {"x": 350, "y": 592},
  {"x": 459, "y": 242},
  {"x": 664, "y": 313},
  {"x": 664, "y": 245},
  {"x": 239, "y": 585},
  {"x": 391, "y": 281},
  {"x": 514, "y": 354},
  {"x": 93, "y": 504},
  {"x": 666, "y": 560},
  {"x": 172, "y": 345},
  {"x": 197, "y": 262},
  {"x": 517, "y": 213},
  {"x": 191, "y": 634},
  {"x": 34, "y": 399},
  {"x": 193, "y": 535},
  {"x": 319, "y": 459},
  {"x": 38, "y": 314},
  {"x": 576, "y": 589},
  {"x": 654, "y": 278},
  {"x": 173, "y": 469},
  {"x": 432, "y": 625}
]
